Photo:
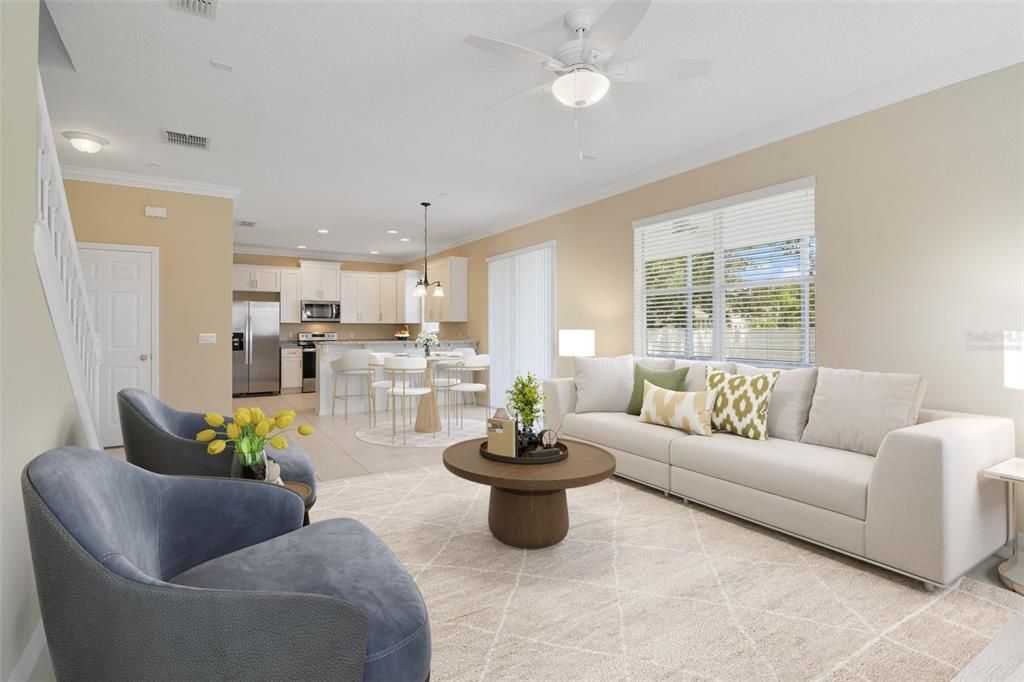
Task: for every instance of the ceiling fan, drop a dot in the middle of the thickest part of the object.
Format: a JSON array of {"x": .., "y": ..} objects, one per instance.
[{"x": 581, "y": 66}]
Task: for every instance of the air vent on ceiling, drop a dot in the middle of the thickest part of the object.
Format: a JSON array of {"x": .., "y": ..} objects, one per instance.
[
  {"x": 247, "y": 223},
  {"x": 206, "y": 9},
  {"x": 185, "y": 139}
]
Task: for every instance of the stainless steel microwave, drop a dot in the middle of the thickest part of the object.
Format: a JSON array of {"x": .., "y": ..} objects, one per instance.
[{"x": 321, "y": 311}]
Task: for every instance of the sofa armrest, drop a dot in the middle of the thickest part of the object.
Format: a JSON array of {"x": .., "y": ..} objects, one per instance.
[
  {"x": 929, "y": 510},
  {"x": 204, "y": 518},
  {"x": 559, "y": 400}
]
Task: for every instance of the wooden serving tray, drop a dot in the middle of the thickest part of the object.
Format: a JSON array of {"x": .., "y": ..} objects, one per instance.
[{"x": 563, "y": 452}]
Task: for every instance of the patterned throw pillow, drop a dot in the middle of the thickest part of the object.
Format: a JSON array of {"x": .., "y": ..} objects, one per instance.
[
  {"x": 690, "y": 412},
  {"x": 741, "y": 405}
]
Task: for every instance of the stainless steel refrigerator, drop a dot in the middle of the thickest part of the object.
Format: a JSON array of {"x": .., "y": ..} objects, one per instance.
[{"x": 255, "y": 347}]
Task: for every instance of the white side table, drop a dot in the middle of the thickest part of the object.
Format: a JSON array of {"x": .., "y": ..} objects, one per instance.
[{"x": 1011, "y": 571}]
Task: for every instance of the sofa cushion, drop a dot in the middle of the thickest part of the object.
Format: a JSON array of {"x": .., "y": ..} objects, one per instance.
[
  {"x": 832, "y": 479},
  {"x": 672, "y": 379},
  {"x": 855, "y": 410},
  {"x": 690, "y": 412},
  {"x": 741, "y": 402},
  {"x": 603, "y": 384},
  {"x": 623, "y": 432},
  {"x": 791, "y": 400},
  {"x": 696, "y": 378},
  {"x": 338, "y": 558}
]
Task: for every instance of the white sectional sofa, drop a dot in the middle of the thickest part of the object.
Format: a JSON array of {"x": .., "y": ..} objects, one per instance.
[{"x": 918, "y": 506}]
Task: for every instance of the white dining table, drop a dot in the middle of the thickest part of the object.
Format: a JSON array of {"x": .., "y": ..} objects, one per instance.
[{"x": 428, "y": 417}]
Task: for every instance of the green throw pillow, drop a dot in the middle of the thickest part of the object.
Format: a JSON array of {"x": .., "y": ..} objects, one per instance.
[{"x": 672, "y": 379}]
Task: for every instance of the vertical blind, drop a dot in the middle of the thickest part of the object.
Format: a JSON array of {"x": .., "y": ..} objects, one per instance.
[
  {"x": 730, "y": 280},
  {"x": 521, "y": 316}
]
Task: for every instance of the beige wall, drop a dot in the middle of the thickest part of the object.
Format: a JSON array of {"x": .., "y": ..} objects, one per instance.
[
  {"x": 920, "y": 231},
  {"x": 37, "y": 411},
  {"x": 195, "y": 279}
]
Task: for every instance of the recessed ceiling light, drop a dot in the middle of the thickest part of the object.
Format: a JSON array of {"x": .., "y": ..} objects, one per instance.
[
  {"x": 301, "y": 246},
  {"x": 322, "y": 230},
  {"x": 392, "y": 231},
  {"x": 374, "y": 253},
  {"x": 404, "y": 239},
  {"x": 86, "y": 142}
]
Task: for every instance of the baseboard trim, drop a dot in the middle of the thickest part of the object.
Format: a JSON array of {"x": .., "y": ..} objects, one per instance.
[{"x": 29, "y": 658}]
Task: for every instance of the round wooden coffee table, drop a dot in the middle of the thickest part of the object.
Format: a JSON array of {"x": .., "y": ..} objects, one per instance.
[{"x": 528, "y": 507}]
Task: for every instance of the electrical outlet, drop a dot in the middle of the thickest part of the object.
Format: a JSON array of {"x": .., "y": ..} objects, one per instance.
[{"x": 207, "y": 338}]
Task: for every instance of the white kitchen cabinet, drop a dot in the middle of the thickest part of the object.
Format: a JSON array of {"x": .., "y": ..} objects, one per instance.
[
  {"x": 453, "y": 273},
  {"x": 255, "y": 278},
  {"x": 410, "y": 308},
  {"x": 368, "y": 297},
  {"x": 319, "y": 280},
  {"x": 389, "y": 296},
  {"x": 349, "y": 297},
  {"x": 291, "y": 295},
  {"x": 291, "y": 368}
]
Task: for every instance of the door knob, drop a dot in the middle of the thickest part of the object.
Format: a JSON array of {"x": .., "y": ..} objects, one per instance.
[{"x": 143, "y": 357}]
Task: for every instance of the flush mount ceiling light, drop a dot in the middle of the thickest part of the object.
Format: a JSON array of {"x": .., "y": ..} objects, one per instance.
[
  {"x": 580, "y": 87},
  {"x": 86, "y": 142},
  {"x": 422, "y": 285}
]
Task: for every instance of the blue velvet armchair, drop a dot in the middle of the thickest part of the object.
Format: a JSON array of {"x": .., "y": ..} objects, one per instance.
[
  {"x": 160, "y": 439},
  {"x": 143, "y": 576}
]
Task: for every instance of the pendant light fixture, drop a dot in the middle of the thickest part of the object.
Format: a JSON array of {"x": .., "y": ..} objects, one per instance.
[{"x": 422, "y": 285}]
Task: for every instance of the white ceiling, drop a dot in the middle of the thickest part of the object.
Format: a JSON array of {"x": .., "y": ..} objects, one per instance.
[{"x": 347, "y": 115}]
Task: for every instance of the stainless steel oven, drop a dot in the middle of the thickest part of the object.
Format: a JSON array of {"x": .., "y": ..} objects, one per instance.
[
  {"x": 321, "y": 311},
  {"x": 309, "y": 342}
]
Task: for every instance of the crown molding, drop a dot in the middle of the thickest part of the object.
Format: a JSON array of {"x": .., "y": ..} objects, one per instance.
[
  {"x": 993, "y": 57},
  {"x": 314, "y": 254},
  {"x": 109, "y": 177}
]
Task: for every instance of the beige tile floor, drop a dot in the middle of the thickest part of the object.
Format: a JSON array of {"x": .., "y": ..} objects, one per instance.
[{"x": 334, "y": 448}]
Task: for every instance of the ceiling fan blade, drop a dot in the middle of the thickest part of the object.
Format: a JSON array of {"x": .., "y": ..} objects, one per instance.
[
  {"x": 515, "y": 51},
  {"x": 613, "y": 28},
  {"x": 653, "y": 70},
  {"x": 526, "y": 94}
]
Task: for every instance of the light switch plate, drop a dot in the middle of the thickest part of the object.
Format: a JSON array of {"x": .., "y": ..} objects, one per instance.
[
  {"x": 156, "y": 212},
  {"x": 207, "y": 338}
]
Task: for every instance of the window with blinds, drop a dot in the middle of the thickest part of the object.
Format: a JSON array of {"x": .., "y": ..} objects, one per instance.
[{"x": 730, "y": 280}]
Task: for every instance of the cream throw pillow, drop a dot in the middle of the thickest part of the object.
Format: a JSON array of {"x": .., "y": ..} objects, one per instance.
[
  {"x": 741, "y": 406},
  {"x": 690, "y": 412},
  {"x": 603, "y": 384}
]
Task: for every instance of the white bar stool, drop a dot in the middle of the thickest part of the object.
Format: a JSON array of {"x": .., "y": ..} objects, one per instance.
[
  {"x": 468, "y": 368},
  {"x": 401, "y": 369},
  {"x": 352, "y": 363},
  {"x": 376, "y": 361}
]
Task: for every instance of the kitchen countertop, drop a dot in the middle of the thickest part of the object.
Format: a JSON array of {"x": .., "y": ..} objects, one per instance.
[{"x": 378, "y": 342}]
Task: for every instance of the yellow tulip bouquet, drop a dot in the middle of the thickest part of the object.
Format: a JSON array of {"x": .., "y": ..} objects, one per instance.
[{"x": 251, "y": 431}]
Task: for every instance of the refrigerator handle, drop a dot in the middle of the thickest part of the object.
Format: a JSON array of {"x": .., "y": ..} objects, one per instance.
[{"x": 248, "y": 339}]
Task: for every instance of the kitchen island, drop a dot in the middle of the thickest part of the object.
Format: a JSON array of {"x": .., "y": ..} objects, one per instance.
[{"x": 332, "y": 350}]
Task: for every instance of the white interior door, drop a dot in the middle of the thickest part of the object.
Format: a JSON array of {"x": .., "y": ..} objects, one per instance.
[{"x": 120, "y": 282}]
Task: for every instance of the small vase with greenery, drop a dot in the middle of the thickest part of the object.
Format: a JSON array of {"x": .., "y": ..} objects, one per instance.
[
  {"x": 525, "y": 402},
  {"x": 250, "y": 431},
  {"x": 427, "y": 339}
]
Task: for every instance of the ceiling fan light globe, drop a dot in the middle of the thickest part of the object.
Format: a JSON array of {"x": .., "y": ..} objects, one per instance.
[{"x": 580, "y": 88}]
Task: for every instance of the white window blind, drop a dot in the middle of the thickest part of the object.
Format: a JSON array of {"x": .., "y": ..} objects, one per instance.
[
  {"x": 521, "y": 316},
  {"x": 730, "y": 280}
]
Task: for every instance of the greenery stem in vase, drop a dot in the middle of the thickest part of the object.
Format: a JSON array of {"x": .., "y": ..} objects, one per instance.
[
  {"x": 525, "y": 400},
  {"x": 250, "y": 430}
]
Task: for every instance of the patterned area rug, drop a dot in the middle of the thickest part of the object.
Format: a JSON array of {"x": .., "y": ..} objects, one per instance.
[
  {"x": 647, "y": 588},
  {"x": 381, "y": 434}
]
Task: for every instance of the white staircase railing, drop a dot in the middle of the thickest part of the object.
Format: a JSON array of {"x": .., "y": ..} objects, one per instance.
[{"x": 60, "y": 271}]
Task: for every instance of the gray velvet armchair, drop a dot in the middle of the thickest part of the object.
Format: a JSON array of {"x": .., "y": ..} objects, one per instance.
[
  {"x": 161, "y": 439},
  {"x": 137, "y": 581}
]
